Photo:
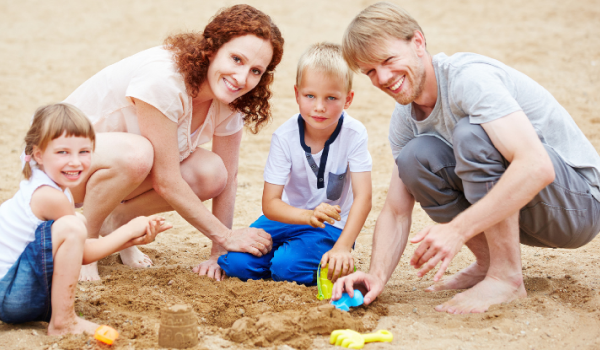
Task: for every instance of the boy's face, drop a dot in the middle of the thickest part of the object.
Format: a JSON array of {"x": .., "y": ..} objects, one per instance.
[{"x": 322, "y": 98}]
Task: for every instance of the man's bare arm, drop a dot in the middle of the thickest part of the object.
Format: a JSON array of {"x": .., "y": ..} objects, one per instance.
[
  {"x": 530, "y": 170},
  {"x": 389, "y": 241}
]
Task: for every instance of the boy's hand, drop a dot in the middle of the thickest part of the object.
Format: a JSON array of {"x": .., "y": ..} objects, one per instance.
[
  {"x": 340, "y": 263},
  {"x": 145, "y": 229},
  {"x": 324, "y": 213}
]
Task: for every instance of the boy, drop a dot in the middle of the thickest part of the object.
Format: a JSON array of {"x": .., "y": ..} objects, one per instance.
[{"x": 313, "y": 209}]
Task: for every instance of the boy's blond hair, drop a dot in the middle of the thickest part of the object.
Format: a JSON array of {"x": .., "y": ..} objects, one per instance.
[
  {"x": 326, "y": 58},
  {"x": 51, "y": 122},
  {"x": 371, "y": 27}
]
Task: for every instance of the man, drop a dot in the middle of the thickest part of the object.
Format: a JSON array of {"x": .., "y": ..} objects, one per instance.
[{"x": 487, "y": 152}]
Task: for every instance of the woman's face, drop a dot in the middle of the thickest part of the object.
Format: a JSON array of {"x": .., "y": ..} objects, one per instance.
[{"x": 237, "y": 67}]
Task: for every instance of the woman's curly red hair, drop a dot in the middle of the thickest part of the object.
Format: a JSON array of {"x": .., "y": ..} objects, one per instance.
[{"x": 193, "y": 50}]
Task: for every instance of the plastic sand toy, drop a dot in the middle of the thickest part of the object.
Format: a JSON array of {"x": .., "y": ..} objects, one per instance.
[
  {"x": 345, "y": 302},
  {"x": 348, "y": 338},
  {"x": 106, "y": 334},
  {"x": 324, "y": 286}
]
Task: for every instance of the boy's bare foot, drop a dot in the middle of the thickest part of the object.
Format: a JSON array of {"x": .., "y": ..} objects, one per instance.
[
  {"x": 133, "y": 257},
  {"x": 89, "y": 272},
  {"x": 465, "y": 278},
  {"x": 490, "y": 291},
  {"x": 75, "y": 325}
]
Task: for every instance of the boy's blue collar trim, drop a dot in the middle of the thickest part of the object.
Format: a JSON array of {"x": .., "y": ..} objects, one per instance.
[{"x": 320, "y": 172}]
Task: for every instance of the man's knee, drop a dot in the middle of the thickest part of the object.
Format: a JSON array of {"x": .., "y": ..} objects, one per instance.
[
  {"x": 478, "y": 163},
  {"x": 420, "y": 156},
  {"x": 469, "y": 140}
]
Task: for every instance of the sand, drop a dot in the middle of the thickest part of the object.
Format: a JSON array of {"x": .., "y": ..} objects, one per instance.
[{"x": 48, "y": 48}]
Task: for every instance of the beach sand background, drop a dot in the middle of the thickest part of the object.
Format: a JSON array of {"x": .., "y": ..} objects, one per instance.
[{"x": 49, "y": 48}]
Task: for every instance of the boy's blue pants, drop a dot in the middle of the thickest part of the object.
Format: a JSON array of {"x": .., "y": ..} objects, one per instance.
[{"x": 296, "y": 253}]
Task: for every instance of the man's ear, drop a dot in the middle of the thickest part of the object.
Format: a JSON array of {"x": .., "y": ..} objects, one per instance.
[
  {"x": 418, "y": 40},
  {"x": 349, "y": 99}
]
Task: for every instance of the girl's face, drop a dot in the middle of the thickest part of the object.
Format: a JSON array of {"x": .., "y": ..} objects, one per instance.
[
  {"x": 237, "y": 67},
  {"x": 65, "y": 160}
]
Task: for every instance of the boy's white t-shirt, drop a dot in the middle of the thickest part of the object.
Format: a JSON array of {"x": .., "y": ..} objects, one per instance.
[
  {"x": 17, "y": 221},
  {"x": 288, "y": 165}
]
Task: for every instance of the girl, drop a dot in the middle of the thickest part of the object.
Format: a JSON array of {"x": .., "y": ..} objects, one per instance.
[{"x": 42, "y": 240}]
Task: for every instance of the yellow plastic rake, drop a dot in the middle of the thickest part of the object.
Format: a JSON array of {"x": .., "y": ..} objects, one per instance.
[{"x": 348, "y": 338}]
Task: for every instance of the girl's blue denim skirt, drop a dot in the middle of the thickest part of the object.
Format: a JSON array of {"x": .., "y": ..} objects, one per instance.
[{"x": 25, "y": 289}]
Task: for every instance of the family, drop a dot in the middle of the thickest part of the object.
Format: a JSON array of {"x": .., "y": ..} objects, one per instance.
[{"x": 487, "y": 152}]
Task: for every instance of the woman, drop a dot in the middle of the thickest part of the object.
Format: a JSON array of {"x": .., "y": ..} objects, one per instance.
[{"x": 151, "y": 112}]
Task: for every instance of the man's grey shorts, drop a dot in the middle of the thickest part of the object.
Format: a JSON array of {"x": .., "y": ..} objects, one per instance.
[{"x": 446, "y": 181}]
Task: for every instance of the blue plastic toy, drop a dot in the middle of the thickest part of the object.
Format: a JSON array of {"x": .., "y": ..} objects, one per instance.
[{"x": 345, "y": 302}]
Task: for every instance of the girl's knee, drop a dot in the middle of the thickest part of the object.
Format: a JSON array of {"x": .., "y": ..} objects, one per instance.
[{"x": 69, "y": 227}]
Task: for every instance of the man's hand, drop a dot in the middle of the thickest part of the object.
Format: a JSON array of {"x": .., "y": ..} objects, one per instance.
[
  {"x": 340, "y": 263},
  {"x": 370, "y": 285},
  {"x": 210, "y": 268},
  {"x": 324, "y": 213},
  {"x": 249, "y": 240},
  {"x": 439, "y": 243}
]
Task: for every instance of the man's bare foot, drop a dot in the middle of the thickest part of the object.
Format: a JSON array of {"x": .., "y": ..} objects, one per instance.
[
  {"x": 133, "y": 257},
  {"x": 75, "y": 325},
  {"x": 490, "y": 291},
  {"x": 465, "y": 278},
  {"x": 89, "y": 272}
]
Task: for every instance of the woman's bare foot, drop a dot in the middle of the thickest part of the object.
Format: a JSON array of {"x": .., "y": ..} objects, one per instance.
[
  {"x": 490, "y": 291},
  {"x": 75, "y": 325},
  {"x": 133, "y": 257},
  {"x": 89, "y": 272},
  {"x": 465, "y": 278}
]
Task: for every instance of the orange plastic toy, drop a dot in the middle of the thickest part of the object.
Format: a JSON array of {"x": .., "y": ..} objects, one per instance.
[{"x": 106, "y": 334}]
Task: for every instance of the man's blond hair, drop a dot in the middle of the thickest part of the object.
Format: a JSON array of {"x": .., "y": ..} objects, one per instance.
[
  {"x": 325, "y": 58},
  {"x": 371, "y": 27}
]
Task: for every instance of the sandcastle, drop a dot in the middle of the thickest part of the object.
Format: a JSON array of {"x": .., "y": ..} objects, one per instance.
[{"x": 178, "y": 327}]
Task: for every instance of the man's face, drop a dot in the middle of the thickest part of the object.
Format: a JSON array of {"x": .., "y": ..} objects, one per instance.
[{"x": 400, "y": 74}]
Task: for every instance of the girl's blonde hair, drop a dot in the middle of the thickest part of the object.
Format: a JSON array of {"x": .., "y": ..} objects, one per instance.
[{"x": 51, "y": 122}]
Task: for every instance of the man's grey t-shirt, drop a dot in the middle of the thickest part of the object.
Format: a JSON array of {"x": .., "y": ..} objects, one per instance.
[{"x": 483, "y": 89}]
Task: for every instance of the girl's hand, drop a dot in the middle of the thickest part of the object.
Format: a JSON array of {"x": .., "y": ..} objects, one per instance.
[
  {"x": 324, "y": 213},
  {"x": 341, "y": 263},
  {"x": 145, "y": 229}
]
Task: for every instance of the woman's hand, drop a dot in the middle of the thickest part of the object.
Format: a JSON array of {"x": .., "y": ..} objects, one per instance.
[
  {"x": 324, "y": 213},
  {"x": 211, "y": 267},
  {"x": 340, "y": 263}
]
